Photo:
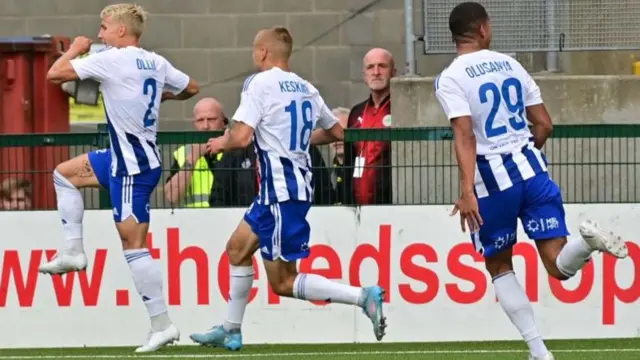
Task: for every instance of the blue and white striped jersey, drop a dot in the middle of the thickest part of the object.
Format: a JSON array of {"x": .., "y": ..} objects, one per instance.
[
  {"x": 131, "y": 81},
  {"x": 283, "y": 109},
  {"x": 494, "y": 89}
]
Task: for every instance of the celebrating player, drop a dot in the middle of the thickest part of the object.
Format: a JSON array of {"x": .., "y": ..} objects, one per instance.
[
  {"x": 488, "y": 97},
  {"x": 132, "y": 81},
  {"x": 279, "y": 111}
]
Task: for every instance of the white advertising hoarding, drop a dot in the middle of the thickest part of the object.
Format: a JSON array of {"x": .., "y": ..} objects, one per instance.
[{"x": 438, "y": 289}]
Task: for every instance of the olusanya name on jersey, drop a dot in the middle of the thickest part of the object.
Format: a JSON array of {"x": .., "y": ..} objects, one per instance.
[{"x": 487, "y": 67}]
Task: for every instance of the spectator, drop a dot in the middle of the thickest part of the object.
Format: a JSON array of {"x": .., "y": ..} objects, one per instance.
[
  {"x": 236, "y": 179},
  {"x": 16, "y": 194},
  {"x": 192, "y": 173},
  {"x": 235, "y": 175},
  {"x": 323, "y": 192},
  {"x": 337, "y": 174},
  {"x": 368, "y": 163}
]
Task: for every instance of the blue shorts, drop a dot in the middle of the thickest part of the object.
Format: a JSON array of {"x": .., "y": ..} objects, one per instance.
[
  {"x": 282, "y": 228},
  {"x": 130, "y": 195},
  {"x": 100, "y": 161},
  {"x": 536, "y": 201}
]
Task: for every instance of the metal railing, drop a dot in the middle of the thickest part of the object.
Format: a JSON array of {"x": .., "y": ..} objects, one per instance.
[
  {"x": 542, "y": 25},
  {"x": 549, "y": 26},
  {"x": 591, "y": 163}
]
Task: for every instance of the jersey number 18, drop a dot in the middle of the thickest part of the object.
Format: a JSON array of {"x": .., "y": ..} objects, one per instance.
[
  {"x": 304, "y": 134},
  {"x": 516, "y": 107}
]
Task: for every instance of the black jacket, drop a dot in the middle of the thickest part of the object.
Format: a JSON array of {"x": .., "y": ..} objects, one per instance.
[
  {"x": 323, "y": 189},
  {"x": 235, "y": 182},
  {"x": 234, "y": 179}
]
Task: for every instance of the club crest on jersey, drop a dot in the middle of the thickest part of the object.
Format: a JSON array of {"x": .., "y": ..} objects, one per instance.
[{"x": 387, "y": 121}]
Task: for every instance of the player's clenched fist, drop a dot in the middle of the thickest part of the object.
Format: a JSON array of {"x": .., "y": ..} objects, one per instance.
[{"x": 81, "y": 45}]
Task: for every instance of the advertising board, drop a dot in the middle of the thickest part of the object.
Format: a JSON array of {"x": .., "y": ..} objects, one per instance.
[{"x": 437, "y": 287}]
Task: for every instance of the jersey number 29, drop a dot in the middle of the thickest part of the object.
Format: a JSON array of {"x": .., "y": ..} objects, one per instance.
[
  {"x": 304, "y": 133},
  {"x": 516, "y": 107},
  {"x": 150, "y": 88}
]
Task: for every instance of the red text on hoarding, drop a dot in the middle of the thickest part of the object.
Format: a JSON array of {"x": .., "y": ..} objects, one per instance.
[{"x": 411, "y": 260}]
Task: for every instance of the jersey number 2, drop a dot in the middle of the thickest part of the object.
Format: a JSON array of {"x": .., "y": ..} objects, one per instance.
[
  {"x": 150, "y": 88},
  {"x": 517, "y": 122},
  {"x": 307, "y": 125}
]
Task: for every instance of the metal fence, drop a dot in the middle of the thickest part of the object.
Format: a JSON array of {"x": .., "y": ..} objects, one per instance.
[
  {"x": 591, "y": 163},
  {"x": 543, "y": 25}
]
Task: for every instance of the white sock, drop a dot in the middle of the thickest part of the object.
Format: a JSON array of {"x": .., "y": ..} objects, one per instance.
[
  {"x": 147, "y": 276},
  {"x": 318, "y": 288},
  {"x": 515, "y": 303},
  {"x": 240, "y": 283},
  {"x": 71, "y": 211},
  {"x": 573, "y": 256}
]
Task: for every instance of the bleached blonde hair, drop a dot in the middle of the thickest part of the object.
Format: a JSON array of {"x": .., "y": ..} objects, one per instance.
[{"x": 133, "y": 16}]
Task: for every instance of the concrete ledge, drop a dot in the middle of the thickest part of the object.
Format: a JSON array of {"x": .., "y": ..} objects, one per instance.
[{"x": 570, "y": 100}]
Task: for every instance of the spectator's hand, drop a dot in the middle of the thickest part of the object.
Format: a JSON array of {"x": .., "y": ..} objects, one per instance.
[
  {"x": 338, "y": 146},
  {"x": 81, "y": 45},
  {"x": 214, "y": 145},
  {"x": 197, "y": 150}
]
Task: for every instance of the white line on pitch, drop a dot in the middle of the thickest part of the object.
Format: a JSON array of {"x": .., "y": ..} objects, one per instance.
[{"x": 313, "y": 354}]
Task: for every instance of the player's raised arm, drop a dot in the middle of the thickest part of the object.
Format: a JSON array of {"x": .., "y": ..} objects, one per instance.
[
  {"x": 537, "y": 113},
  {"x": 68, "y": 68}
]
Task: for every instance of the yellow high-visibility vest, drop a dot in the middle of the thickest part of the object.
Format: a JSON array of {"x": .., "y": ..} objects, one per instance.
[{"x": 198, "y": 192}]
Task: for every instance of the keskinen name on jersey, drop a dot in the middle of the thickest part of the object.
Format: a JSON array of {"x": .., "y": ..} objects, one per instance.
[
  {"x": 283, "y": 109},
  {"x": 293, "y": 86}
]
